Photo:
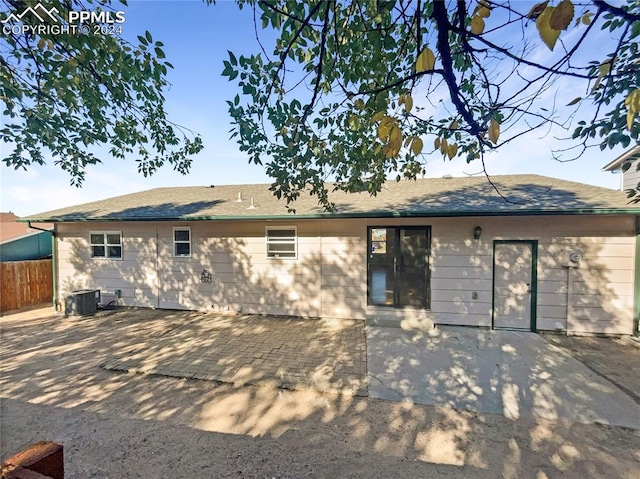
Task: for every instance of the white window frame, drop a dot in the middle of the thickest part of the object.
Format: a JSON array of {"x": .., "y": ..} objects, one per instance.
[
  {"x": 293, "y": 241},
  {"x": 106, "y": 244},
  {"x": 176, "y": 242}
]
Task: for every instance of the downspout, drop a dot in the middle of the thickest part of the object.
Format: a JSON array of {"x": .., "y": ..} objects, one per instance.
[
  {"x": 39, "y": 229},
  {"x": 54, "y": 261}
]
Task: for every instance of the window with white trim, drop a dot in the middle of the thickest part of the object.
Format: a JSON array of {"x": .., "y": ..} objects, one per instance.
[
  {"x": 282, "y": 242},
  {"x": 182, "y": 241},
  {"x": 106, "y": 244}
]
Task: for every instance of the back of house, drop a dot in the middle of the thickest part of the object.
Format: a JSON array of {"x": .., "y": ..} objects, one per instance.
[{"x": 527, "y": 253}]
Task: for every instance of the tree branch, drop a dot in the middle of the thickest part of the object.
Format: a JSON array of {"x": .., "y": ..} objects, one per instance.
[
  {"x": 284, "y": 54},
  {"x": 399, "y": 82},
  {"x": 444, "y": 27},
  {"x": 316, "y": 87},
  {"x": 518, "y": 59},
  {"x": 617, "y": 11}
]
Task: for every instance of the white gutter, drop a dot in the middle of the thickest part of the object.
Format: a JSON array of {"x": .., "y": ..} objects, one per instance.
[{"x": 631, "y": 154}]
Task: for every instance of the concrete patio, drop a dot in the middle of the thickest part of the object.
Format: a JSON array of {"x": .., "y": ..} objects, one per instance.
[
  {"x": 515, "y": 374},
  {"x": 284, "y": 352}
]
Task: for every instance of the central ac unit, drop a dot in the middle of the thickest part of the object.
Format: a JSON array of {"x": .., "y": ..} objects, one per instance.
[{"x": 82, "y": 302}]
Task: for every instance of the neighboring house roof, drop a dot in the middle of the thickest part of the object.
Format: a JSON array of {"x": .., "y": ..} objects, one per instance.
[
  {"x": 19, "y": 238},
  {"x": 11, "y": 230},
  {"x": 632, "y": 154},
  {"x": 472, "y": 196}
]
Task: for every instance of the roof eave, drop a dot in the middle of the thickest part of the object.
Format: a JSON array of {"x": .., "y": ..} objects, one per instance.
[
  {"x": 632, "y": 154},
  {"x": 374, "y": 214}
]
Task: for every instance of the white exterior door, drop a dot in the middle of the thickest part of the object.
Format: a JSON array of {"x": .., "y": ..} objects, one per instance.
[{"x": 513, "y": 285}]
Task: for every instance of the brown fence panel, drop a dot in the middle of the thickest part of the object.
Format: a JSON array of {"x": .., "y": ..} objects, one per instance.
[{"x": 25, "y": 283}]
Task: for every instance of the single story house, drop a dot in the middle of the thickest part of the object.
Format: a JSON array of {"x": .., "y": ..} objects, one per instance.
[{"x": 542, "y": 254}]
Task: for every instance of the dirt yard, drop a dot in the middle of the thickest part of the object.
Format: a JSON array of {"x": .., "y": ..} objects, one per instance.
[{"x": 144, "y": 426}]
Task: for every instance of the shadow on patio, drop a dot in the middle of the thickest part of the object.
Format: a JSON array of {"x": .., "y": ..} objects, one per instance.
[
  {"x": 115, "y": 424},
  {"x": 516, "y": 374},
  {"x": 285, "y": 352}
]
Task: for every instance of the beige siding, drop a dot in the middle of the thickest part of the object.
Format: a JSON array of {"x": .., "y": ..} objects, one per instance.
[
  {"x": 329, "y": 276},
  {"x": 243, "y": 278},
  {"x": 135, "y": 274},
  {"x": 601, "y": 298},
  {"x": 631, "y": 177},
  {"x": 460, "y": 267},
  {"x": 597, "y": 296},
  {"x": 343, "y": 246}
]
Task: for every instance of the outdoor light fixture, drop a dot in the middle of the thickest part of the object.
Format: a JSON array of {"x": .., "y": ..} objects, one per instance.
[{"x": 477, "y": 231}]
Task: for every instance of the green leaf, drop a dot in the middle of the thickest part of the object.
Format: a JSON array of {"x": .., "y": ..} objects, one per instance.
[{"x": 90, "y": 92}]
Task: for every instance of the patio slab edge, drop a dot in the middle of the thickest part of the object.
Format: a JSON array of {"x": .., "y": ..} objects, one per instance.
[{"x": 287, "y": 381}]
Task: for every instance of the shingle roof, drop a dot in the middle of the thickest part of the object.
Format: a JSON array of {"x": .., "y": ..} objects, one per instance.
[{"x": 472, "y": 196}]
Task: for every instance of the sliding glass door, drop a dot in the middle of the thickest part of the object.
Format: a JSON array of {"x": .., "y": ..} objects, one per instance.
[{"x": 398, "y": 266}]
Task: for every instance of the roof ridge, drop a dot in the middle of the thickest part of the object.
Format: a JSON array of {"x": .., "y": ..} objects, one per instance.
[
  {"x": 390, "y": 180},
  {"x": 466, "y": 195}
]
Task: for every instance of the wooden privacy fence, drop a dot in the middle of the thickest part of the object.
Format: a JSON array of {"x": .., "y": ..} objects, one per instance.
[{"x": 25, "y": 283}]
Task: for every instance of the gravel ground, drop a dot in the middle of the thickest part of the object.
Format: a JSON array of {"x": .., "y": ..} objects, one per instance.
[{"x": 130, "y": 425}]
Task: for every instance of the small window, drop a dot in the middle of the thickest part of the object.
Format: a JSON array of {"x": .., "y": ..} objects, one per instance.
[
  {"x": 181, "y": 241},
  {"x": 282, "y": 243},
  {"x": 106, "y": 244}
]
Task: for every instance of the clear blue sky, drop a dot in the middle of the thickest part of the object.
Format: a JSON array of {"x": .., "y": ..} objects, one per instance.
[{"x": 196, "y": 38}]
